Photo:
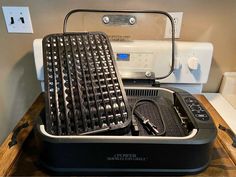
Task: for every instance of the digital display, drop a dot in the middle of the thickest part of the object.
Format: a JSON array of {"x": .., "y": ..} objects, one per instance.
[{"x": 122, "y": 57}]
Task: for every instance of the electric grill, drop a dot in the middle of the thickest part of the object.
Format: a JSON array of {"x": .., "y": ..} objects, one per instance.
[{"x": 94, "y": 125}]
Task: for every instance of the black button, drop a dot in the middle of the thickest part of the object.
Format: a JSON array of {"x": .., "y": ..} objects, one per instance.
[
  {"x": 195, "y": 107},
  {"x": 198, "y": 112},
  {"x": 190, "y": 100},
  {"x": 202, "y": 117}
]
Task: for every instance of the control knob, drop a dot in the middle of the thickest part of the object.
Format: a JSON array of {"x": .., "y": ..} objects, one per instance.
[{"x": 193, "y": 63}]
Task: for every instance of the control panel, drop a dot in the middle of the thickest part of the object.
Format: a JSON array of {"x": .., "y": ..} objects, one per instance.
[
  {"x": 134, "y": 61},
  {"x": 197, "y": 110},
  {"x": 192, "y": 59}
]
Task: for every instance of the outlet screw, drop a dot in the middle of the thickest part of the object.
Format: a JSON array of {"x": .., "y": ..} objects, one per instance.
[
  {"x": 132, "y": 21},
  {"x": 106, "y": 19}
]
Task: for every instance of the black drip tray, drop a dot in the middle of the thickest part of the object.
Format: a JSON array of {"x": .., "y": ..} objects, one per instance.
[{"x": 171, "y": 119}]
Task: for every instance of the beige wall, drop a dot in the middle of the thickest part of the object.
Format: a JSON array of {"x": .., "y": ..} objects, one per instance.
[{"x": 211, "y": 21}]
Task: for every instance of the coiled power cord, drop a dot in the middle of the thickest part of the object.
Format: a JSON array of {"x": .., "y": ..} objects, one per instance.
[{"x": 148, "y": 125}]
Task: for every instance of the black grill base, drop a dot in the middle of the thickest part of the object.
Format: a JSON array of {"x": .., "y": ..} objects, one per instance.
[
  {"x": 177, "y": 153},
  {"x": 157, "y": 157}
]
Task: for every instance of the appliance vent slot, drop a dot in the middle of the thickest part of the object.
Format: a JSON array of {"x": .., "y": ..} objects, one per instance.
[{"x": 141, "y": 92}]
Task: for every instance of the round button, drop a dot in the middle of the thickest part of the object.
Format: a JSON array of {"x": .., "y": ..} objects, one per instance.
[{"x": 193, "y": 63}]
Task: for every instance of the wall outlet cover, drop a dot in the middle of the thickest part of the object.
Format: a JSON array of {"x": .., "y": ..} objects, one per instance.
[
  {"x": 17, "y": 19},
  {"x": 177, "y": 17}
]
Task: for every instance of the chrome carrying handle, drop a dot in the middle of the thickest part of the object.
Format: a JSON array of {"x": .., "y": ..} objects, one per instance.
[{"x": 133, "y": 11}]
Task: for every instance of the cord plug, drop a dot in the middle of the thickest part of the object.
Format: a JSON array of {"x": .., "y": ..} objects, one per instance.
[
  {"x": 152, "y": 128},
  {"x": 134, "y": 127}
]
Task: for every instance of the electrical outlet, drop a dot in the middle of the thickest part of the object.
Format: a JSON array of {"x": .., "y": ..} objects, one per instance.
[
  {"x": 17, "y": 19},
  {"x": 177, "y": 17}
]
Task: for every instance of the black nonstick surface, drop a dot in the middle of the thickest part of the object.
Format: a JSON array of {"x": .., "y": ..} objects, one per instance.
[{"x": 148, "y": 110}]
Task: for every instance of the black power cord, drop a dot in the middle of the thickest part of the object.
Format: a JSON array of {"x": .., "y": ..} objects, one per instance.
[
  {"x": 145, "y": 121},
  {"x": 15, "y": 133}
]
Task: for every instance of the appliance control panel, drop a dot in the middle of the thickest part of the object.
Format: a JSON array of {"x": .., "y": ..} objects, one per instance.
[
  {"x": 192, "y": 59},
  {"x": 197, "y": 110},
  {"x": 136, "y": 61}
]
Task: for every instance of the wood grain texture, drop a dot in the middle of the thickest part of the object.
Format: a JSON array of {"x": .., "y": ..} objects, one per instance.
[
  {"x": 9, "y": 155},
  {"x": 223, "y": 137},
  {"x": 222, "y": 163}
]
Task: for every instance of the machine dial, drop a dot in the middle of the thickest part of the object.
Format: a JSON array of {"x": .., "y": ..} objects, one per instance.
[{"x": 193, "y": 63}]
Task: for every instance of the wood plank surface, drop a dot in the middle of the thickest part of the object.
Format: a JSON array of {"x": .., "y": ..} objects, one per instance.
[
  {"x": 9, "y": 155},
  {"x": 223, "y": 137},
  {"x": 222, "y": 164}
]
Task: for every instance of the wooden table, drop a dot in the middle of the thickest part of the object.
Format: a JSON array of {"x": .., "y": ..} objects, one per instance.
[{"x": 21, "y": 159}]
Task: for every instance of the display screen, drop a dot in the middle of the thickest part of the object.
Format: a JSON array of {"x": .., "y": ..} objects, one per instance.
[{"x": 122, "y": 56}]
